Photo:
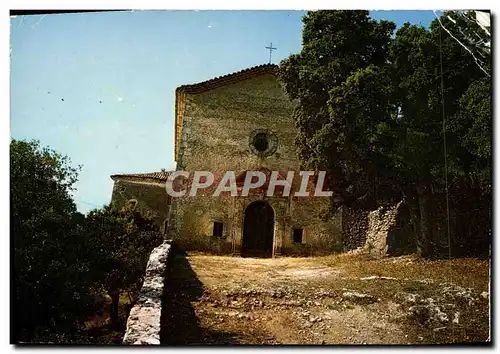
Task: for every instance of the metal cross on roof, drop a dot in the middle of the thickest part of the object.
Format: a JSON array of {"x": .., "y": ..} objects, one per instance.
[{"x": 271, "y": 48}]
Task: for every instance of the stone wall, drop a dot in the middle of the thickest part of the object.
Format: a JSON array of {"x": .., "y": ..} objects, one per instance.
[
  {"x": 319, "y": 237},
  {"x": 151, "y": 199},
  {"x": 388, "y": 232},
  {"x": 217, "y": 126},
  {"x": 144, "y": 321},
  {"x": 355, "y": 228}
]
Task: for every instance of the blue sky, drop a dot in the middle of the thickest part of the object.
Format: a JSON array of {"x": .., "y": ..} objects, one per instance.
[{"x": 99, "y": 87}]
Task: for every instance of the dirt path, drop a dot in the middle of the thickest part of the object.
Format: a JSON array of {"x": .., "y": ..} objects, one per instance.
[{"x": 229, "y": 300}]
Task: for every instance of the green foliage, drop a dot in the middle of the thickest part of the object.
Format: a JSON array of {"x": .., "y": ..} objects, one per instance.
[
  {"x": 337, "y": 80},
  {"x": 49, "y": 273},
  {"x": 473, "y": 122},
  {"x": 63, "y": 259},
  {"x": 120, "y": 242},
  {"x": 370, "y": 110}
]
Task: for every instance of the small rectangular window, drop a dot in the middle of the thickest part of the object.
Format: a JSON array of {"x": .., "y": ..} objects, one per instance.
[
  {"x": 218, "y": 228},
  {"x": 297, "y": 235}
]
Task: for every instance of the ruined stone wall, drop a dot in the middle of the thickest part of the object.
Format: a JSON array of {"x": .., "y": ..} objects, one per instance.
[
  {"x": 151, "y": 199},
  {"x": 217, "y": 126},
  {"x": 381, "y": 232},
  {"x": 355, "y": 228}
]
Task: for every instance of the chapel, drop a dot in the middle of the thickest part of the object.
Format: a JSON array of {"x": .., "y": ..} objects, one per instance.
[{"x": 238, "y": 122}]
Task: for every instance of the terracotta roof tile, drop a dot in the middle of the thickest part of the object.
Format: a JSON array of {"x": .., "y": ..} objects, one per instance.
[
  {"x": 228, "y": 79},
  {"x": 152, "y": 177}
]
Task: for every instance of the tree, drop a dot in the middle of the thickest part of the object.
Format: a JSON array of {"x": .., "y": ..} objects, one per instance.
[
  {"x": 431, "y": 73},
  {"x": 49, "y": 286},
  {"x": 343, "y": 53},
  {"x": 62, "y": 259},
  {"x": 370, "y": 111},
  {"x": 120, "y": 242}
]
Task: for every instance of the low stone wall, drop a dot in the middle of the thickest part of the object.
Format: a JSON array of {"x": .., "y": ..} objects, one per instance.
[{"x": 143, "y": 324}]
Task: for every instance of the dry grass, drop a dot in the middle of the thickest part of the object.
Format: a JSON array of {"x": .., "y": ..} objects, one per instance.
[
  {"x": 465, "y": 272},
  {"x": 239, "y": 302}
]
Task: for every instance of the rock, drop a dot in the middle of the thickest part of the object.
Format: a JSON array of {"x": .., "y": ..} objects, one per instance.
[
  {"x": 459, "y": 293},
  {"x": 455, "y": 318},
  {"x": 413, "y": 298},
  {"x": 373, "y": 277},
  {"x": 358, "y": 298},
  {"x": 438, "y": 329},
  {"x": 147, "y": 341},
  {"x": 428, "y": 312},
  {"x": 485, "y": 295}
]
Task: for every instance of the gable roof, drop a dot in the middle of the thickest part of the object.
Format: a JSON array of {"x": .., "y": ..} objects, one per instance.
[
  {"x": 211, "y": 84},
  {"x": 152, "y": 177},
  {"x": 228, "y": 79}
]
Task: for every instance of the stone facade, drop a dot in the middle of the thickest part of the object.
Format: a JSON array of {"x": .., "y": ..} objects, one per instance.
[
  {"x": 217, "y": 129},
  {"x": 149, "y": 197},
  {"x": 218, "y": 126}
]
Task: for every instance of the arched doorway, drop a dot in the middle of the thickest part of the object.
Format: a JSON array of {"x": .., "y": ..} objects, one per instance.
[{"x": 258, "y": 230}]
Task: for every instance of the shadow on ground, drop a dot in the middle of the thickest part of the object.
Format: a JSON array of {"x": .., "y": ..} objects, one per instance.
[{"x": 180, "y": 325}]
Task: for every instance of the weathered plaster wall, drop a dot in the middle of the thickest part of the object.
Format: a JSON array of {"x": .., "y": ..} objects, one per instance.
[
  {"x": 319, "y": 237},
  {"x": 217, "y": 125},
  {"x": 191, "y": 223},
  {"x": 215, "y": 137},
  {"x": 152, "y": 199}
]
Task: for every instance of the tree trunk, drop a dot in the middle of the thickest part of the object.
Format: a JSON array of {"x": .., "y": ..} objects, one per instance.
[
  {"x": 414, "y": 217},
  {"x": 424, "y": 235},
  {"x": 113, "y": 314}
]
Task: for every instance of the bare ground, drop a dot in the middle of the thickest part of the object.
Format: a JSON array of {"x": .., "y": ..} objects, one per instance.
[{"x": 341, "y": 299}]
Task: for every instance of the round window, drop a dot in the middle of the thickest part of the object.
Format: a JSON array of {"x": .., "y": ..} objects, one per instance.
[
  {"x": 263, "y": 143},
  {"x": 260, "y": 142}
]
